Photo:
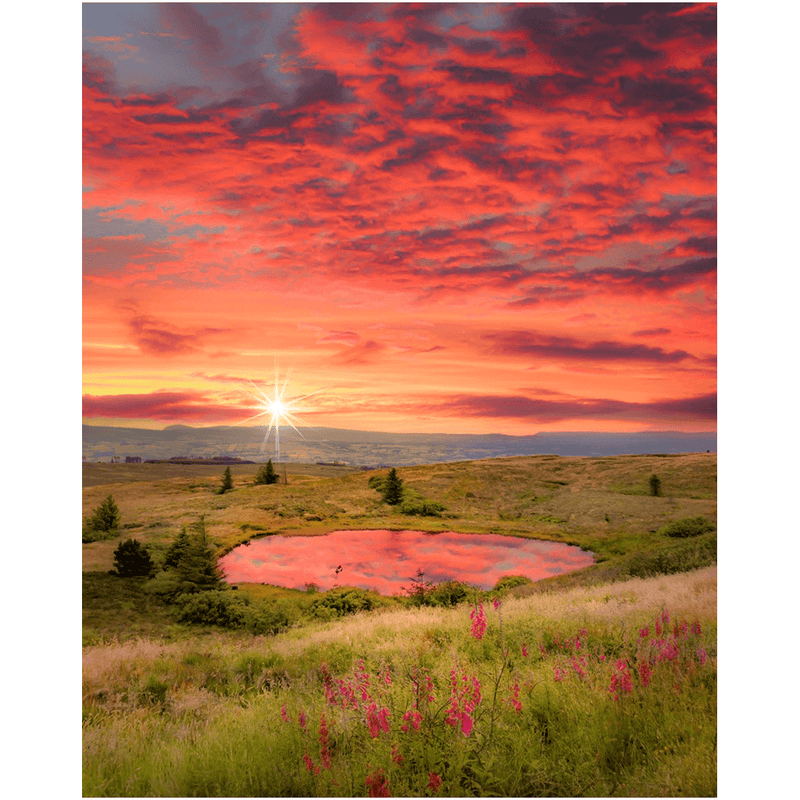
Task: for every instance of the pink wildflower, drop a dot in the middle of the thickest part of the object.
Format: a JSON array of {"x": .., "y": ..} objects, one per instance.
[
  {"x": 284, "y": 715},
  {"x": 434, "y": 782},
  {"x": 496, "y": 604},
  {"x": 323, "y": 743},
  {"x": 378, "y": 786},
  {"x": 559, "y": 674},
  {"x": 658, "y": 628},
  {"x": 414, "y": 717},
  {"x": 701, "y": 655},
  {"x": 397, "y": 756},
  {"x": 515, "y": 697},
  {"x": 302, "y": 719},
  {"x": 669, "y": 652},
  {"x": 310, "y": 764},
  {"x": 645, "y": 673},
  {"x": 377, "y": 720},
  {"x": 696, "y": 628},
  {"x": 621, "y": 679},
  {"x": 644, "y": 632},
  {"x": 478, "y": 622},
  {"x": 524, "y": 651},
  {"x": 579, "y": 664}
]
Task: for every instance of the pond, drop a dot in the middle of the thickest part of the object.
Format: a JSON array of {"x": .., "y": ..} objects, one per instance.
[{"x": 386, "y": 560}]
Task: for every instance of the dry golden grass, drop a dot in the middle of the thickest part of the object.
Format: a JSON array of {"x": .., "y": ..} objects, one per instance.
[
  {"x": 691, "y": 595},
  {"x": 550, "y": 497}
]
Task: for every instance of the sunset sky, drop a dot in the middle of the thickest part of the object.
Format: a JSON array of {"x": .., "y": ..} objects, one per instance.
[{"x": 446, "y": 217}]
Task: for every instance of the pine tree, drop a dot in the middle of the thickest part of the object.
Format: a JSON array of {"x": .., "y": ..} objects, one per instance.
[
  {"x": 197, "y": 568},
  {"x": 178, "y": 549},
  {"x": 227, "y": 481},
  {"x": 392, "y": 488},
  {"x": 132, "y": 559},
  {"x": 655, "y": 486},
  {"x": 267, "y": 475},
  {"x": 105, "y": 517}
]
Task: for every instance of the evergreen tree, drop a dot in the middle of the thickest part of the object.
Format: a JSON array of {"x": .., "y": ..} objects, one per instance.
[
  {"x": 178, "y": 549},
  {"x": 392, "y": 488},
  {"x": 105, "y": 517},
  {"x": 227, "y": 481},
  {"x": 655, "y": 486},
  {"x": 132, "y": 559},
  {"x": 197, "y": 568},
  {"x": 267, "y": 475}
]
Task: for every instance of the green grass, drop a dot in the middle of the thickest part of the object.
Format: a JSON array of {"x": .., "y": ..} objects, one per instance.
[
  {"x": 546, "y": 497},
  {"x": 226, "y": 716},
  {"x": 179, "y": 709}
]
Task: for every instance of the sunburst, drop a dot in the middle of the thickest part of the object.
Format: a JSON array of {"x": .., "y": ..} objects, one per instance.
[{"x": 279, "y": 408}]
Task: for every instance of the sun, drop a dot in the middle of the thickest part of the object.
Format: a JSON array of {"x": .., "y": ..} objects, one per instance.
[{"x": 280, "y": 410}]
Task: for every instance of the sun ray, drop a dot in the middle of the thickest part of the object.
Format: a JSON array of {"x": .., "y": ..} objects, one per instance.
[{"x": 279, "y": 409}]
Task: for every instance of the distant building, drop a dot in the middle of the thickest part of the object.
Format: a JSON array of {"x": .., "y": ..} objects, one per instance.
[{"x": 133, "y": 459}]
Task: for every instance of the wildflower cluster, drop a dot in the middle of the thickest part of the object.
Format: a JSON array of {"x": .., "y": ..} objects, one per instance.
[
  {"x": 403, "y": 727},
  {"x": 478, "y": 622},
  {"x": 465, "y": 696}
]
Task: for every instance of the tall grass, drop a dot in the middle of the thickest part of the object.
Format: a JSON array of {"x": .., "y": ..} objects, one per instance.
[{"x": 607, "y": 690}]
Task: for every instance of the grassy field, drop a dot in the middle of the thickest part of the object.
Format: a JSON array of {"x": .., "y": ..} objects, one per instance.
[
  {"x": 601, "y": 682},
  {"x": 600, "y": 504}
]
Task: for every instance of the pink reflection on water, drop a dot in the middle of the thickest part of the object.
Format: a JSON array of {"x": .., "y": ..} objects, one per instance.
[{"x": 386, "y": 560}]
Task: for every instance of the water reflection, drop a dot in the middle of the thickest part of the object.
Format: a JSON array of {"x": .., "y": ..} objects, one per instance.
[{"x": 385, "y": 560}]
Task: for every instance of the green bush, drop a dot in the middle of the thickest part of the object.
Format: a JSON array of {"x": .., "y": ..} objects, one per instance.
[
  {"x": 448, "y": 593},
  {"x": 510, "y": 581},
  {"x": 419, "y": 507},
  {"x": 688, "y": 526},
  {"x": 231, "y": 610},
  {"x": 132, "y": 560},
  {"x": 376, "y": 482},
  {"x": 212, "y": 608},
  {"x": 341, "y": 600}
]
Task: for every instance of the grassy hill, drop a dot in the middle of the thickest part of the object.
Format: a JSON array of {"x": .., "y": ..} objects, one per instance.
[
  {"x": 601, "y": 682},
  {"x": 601, "y": 504}
]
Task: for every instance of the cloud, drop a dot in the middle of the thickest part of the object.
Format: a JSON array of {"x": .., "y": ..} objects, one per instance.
[
  {"x": 691, "y": 409},
  {"x": 529, "y": 343},
  {"x": 160, "y": 405},
  {"x": 158, "y": 338},
  {"x": 473, "y": 166}
]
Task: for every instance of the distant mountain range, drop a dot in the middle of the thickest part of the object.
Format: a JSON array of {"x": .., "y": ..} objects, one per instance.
[{"x": 368, "y": 448}]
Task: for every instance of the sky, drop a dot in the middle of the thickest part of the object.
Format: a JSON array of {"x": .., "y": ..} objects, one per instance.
[{"x": 434, "y": 217}]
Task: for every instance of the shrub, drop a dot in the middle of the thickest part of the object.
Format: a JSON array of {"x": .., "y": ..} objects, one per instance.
[
  {"x": 212, "y": 608},
  {"x": 132, "y": 559},
  {"x": 448, "y": 593},
  {"x": 688, "y": 526},
  {"x": 414, "y": 506},
  {"x": 228, "y": 610},
  {"x": 376, "y": 482},
  {"x": 510, "y": 581},
  {"x": 341, "y": 600}
]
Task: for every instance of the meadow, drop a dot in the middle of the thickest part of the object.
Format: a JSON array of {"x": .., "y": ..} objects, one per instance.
[{"x": 600, "y": 682}]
